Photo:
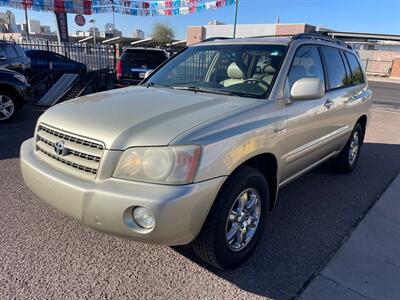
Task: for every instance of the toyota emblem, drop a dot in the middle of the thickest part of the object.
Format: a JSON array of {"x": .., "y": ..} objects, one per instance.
[{"x": 59, "y": 148}]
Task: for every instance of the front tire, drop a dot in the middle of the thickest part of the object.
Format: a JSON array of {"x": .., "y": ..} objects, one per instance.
[
  {"x": 347, "y": 159},
  {"x": 237, "y": 220},
  {"x": 8, "y": 107}
]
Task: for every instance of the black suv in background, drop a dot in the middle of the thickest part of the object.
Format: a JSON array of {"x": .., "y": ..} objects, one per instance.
[
  {"x": 13, "y": 57},
  {"x": 134, "y": 63},
  {"x": 14, "y": 92}
]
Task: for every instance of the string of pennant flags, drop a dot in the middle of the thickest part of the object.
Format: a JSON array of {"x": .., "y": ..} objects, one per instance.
[{"x": 128, "y": 7}]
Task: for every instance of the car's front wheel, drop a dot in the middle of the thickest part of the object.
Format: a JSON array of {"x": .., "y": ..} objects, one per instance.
[
  {"x": 236, "y": 221},
  {"x": 8, "y": 107}
]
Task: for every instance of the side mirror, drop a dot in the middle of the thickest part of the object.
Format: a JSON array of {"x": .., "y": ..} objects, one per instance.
[
  {"x": 2, "y": 57},
  {"x": 307, "y": 89}
]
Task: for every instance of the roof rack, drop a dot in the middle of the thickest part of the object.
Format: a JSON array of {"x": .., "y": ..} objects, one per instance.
[
  {"x": 321, "y": 37},
  {"x": 211, "y": 39}
]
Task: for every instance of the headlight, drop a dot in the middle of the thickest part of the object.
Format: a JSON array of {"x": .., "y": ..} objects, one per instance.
[
  {"x": 20, "y": 77},
  {"x": 169, "y": 165}
]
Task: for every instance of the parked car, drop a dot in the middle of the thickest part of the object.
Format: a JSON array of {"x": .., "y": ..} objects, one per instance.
[
  {"x": 14, "y": 93},
  {"x": 198, "y": 152},
  {"x": 43, "y": 60},
  {"x": 134, "y": 63},
  {"x": 13, "y": 57}
]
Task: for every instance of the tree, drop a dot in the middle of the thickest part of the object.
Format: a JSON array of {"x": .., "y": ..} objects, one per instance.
[{"x": 163, "y": 33}]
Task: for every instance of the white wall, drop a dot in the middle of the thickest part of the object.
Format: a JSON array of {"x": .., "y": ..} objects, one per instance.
[{"x": 242, "y": 30}]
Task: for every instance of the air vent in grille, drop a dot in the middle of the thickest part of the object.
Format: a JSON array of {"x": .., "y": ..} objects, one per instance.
[{"x": 75, "y": 153}]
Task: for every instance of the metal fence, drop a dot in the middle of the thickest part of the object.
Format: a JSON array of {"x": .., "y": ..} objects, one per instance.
[
  {"x": 95, "y": 57},
  {"x": 377, "y": 67}
]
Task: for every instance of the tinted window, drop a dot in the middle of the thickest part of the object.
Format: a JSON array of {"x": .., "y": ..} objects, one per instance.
[
  {"x": 306, "y": 63},
  {"x": 349, "y": 79},
  {"x": 355, "y": 68},
  {"x": 8, "y": 51},
  {"x": 19, "y": 50},
  {"x": 334, "y": 64},
  {"x": 151, "y": 58}
]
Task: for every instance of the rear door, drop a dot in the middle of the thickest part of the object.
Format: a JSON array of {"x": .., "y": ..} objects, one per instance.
[{"x": 339, "y": 90}]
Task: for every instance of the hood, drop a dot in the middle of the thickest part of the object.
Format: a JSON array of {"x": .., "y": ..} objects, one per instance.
[{"x": 139, "y": 116}]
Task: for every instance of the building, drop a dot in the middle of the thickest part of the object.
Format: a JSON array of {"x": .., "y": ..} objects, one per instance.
[
  {"x": 21, "y": 27},
  {"x": 138, "y": 34},
  {"x": 109, "y": 28},
  {"x": 34, "y": 26},
  {"x": 7, "y": 22},
  {"x": 195, "y": 34},
  {"x": 45, "y": 29}
]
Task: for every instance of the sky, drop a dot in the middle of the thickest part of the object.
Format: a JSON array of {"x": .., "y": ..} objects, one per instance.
[{"x": 373, "y": 16}]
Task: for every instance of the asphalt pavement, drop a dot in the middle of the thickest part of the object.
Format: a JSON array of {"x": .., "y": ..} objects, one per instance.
[{"x": 45, "y": 255}]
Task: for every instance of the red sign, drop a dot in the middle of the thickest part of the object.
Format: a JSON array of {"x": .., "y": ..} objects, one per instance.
[{"x": 80, "y": 20}]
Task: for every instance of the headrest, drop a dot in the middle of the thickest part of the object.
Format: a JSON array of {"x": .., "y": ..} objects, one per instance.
[
  {"x": 269, "y": 69},
  {"x": 235, "y": 72}
]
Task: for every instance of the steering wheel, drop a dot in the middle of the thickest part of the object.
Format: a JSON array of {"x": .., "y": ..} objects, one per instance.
[{"x": 259, "y": 81}]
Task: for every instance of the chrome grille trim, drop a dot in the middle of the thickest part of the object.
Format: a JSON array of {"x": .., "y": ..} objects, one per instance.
[{"x": 81, "y": 154}]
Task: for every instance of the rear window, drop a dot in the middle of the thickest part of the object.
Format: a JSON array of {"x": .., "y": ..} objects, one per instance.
[
  {"x": 335, "y": 68},
  {"x": 144, "y": 56},
  {"x": 355, "y": 67}
]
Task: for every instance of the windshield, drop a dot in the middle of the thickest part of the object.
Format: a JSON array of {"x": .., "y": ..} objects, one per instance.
[{"x": 242, "y": 70}]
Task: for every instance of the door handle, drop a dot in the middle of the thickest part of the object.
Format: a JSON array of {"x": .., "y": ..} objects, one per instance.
[{"x": 328, "y": 103}]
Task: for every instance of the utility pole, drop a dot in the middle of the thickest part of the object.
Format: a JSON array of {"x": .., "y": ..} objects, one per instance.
[
  {"x": 113, "y": 10},
  {"x": 236, "y": 14},
  {"x": 26, "y": 21},
  {"x": 94, "y": 30}
]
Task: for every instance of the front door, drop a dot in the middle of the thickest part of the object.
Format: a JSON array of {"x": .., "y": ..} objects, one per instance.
[{"x": 309, "y": 121}]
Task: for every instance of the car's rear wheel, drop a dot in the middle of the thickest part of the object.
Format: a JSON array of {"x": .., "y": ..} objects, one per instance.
[
  {"x": 8, "y": 107},
  {"x": 347, "y": 160},
  {"x": 237, "y": 220}
]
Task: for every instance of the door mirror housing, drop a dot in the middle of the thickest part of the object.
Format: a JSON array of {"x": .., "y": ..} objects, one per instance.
[
  {"x": 307, "y": 89},
  {"x": 2, "y": 57}
]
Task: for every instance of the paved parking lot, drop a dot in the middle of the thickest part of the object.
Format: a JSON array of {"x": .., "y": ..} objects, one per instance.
[{"x": 46, "y": 255}]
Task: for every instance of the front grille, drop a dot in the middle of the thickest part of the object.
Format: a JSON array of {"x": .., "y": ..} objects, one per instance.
[{"x": 78, "y": 155}]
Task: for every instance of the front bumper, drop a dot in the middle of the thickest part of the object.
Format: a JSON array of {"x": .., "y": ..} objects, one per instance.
[{"x": 106, "y": 205}]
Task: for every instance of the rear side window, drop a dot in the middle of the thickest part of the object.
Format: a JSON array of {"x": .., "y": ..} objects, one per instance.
[
  {"x": 19, "y": 50},
  {"x": 336, "y": 72},
  {"x": 8, "y": 51},
  {"x": 355, "y": 67},
  {"x": 306, "y": 63}
]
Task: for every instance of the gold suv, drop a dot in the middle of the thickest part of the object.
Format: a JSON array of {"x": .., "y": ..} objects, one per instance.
[{"x": 197, "y": 153}]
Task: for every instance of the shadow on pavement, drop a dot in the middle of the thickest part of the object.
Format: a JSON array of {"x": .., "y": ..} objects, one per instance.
[
  {"x": 312, "y": 217},
  {"x": 13, "y": 133}
]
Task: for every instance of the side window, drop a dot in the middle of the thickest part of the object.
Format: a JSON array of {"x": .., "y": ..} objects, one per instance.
[
  {"x": 306, "y": 63},
  {"x": 337, "y": 77},
  {"x": 349, "y": 79},
  {"x": 355, "y": 67},
  {"x": 10, "y": 52},
  {"x": 19, "y": 50}
]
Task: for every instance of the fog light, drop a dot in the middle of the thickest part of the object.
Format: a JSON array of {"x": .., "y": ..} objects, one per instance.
[{"x": 143, "y": 217}]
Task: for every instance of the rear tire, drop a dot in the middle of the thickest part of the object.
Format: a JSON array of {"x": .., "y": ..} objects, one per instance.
[
  {"x": 347, "y": 159},
  {"x": 236, "y": 221}
]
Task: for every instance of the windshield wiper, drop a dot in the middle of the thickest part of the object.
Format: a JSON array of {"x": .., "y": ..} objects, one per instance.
[{"x": 201, "y": 90}]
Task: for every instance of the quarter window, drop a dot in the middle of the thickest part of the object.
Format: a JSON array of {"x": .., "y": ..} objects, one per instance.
[
  {"x": 355, "y": 68},
  {"x": 335, "y": 68},
  {"x": 306, "y": 63}
]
